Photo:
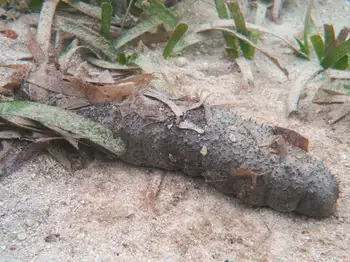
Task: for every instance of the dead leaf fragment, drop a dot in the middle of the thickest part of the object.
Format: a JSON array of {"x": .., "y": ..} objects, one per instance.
[
  {"x": 141, "y": 79},
  {"x": 60, "y": 155},
  {"x": 44, "y": 27},
  {"x": 16, "y": 77},
  {"x": 10, "y": 134},
  {"x": 71, "y": 139},
  {"x": 244, "y": 172},
  {"x": 276, "y": 10},
  {"x": 150, "y": 194},
  {"x": 40, "y": 83},
  {"x": 34, "y": 48},
  {"x": 330, "y": 97},
  {"x": 9, "y": 33},
  {"x": 305, "y": 76},
  {"x": 332, "y": 92},
  {"x": 115, "y": 92},
  {"x": 292, "y": 137},
  {"x": 5, "y": 92},
  {"x": 109, "y": 65},
  {"x": 246, "y": 71},
  {"x": 190, "y": 126},
  {"x": 164, "y": 99},
  {"x": 339, "y": 113},
  {"x": 278, "y": 146},
  {"x": 338, "y": 74},
  {"x": 24, "y": 123},
  {"x": 261, "y": 10},
  {"x": 106, "y": 77}
]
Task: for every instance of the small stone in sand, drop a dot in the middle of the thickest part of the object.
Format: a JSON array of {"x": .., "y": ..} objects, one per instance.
[
  {"x": 181, "y": 61},
  {"x": 21, "y": 236}
]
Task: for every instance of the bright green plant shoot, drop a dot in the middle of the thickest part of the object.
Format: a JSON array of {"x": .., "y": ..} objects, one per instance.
[
  {"x": 106, "y": 19},
  {"x": 231, "y": 41},
  {"x": 332, "y": 52},
  {"x": 177, "y": 34}
]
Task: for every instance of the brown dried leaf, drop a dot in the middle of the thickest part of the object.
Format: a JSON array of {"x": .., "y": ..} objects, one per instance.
[
  {"x": 16, "y": 77},
  {"x": 343, "y": 35},
  {"x": 115, "y": 92},
  {"x": 141, "y": 79},
  {"x": 9, "y": 33},
  {"x": 243, "y": 172},
  {"x": 53, "y": 81},
  {"x": 112, "y": 93},
  {"x": 34, "y": 48},
  {"x": 292, "y": 137}
]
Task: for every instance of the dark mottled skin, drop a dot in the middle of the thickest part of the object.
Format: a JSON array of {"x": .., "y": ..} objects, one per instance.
[{"x": 297, "y": 182}]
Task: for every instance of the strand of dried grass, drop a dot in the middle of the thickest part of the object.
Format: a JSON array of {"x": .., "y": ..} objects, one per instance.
[
  {"x": 90, "y": 10},
  {"x": 45, "y": 23}
]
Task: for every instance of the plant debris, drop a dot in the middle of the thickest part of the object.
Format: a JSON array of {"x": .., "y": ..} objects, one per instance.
[{"x": 69, "y": 122}]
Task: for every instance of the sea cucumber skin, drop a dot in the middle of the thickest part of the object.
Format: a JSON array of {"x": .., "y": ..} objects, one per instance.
[{"x": 297, "y": 182}]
